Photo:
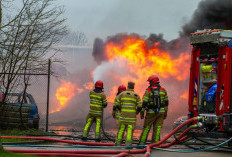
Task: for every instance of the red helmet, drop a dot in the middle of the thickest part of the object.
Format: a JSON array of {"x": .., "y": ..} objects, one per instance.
[
  {"x": 99, "y": 84},
  {"x": 121, "y": 88},
  {"x": 153, "y": 79}
]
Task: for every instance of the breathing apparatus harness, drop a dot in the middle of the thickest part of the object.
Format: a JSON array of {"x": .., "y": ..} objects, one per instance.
[{"x": 154, "y": 100}]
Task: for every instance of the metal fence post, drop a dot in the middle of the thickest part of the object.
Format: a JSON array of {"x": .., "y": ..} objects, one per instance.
[{"x": 48, "y": 91}]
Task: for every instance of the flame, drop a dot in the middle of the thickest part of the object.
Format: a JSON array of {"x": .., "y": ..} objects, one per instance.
[
  {"x": 88, "y": 85},
  {"x": 111, "y": 97},
  {"x": 185, "y": 95},
  {"x": 146, "y": 62},
  {"x": 79, "y": 90},
  {"x": 143, "y": 62},
  {"x": 65, "y": 93}
]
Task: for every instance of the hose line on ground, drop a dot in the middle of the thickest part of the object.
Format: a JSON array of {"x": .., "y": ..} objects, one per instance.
[
  {"x": 147, "y": 150},
  {"x": 71, "y": 152},
  {"x": 102, "y": 127},
  {"x": 197, "y": 150},
  {"x": 78, "y": 146},
  {"x": 208, "y": 143},
  {"x": 182, "y": 142}
]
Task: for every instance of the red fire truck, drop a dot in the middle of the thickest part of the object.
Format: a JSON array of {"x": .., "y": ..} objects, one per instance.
[{"x": 210, "y": 82}]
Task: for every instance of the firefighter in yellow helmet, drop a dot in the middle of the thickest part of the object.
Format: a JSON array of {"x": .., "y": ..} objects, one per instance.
[
  {"x": 116, "y": 112},
  {"x": 130, "y": 105},
  {"x": 97, "y": 103},
  {"x": 155, "y": 102}
]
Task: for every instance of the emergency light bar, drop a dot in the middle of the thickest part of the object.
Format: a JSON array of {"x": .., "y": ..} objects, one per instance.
[{"x": 213, "y": 36}]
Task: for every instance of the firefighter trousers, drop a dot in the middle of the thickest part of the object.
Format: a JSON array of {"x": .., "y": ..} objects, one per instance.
[
  {"x": 90, "y": 120},
  {"x": 155, "y": 119},
  {"x": 120, "y": 135},
  {"x": 118, "y": 122}
]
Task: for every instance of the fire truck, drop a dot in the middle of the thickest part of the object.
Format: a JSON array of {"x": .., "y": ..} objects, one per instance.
[{"x": 210, "y": 90}]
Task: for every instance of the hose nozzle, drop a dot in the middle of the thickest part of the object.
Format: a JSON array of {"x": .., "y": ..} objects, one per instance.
[
  {"x": 197, "y": 118},
  {"x": 198, "y": 125}
]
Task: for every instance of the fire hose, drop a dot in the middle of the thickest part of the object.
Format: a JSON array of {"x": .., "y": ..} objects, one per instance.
[
  {"x": 67, "y": 154},
  {"x": 147, "y": 150},
  {"x": 197, "y": 150},
  {"x": 102, "y": 126}
]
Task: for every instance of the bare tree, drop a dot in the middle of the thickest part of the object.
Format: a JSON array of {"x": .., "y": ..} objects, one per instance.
[
  {"x": 76, "y": 38},
  {"x": 26, "y": 43},
  {"x": 1, "y": 148},
  {"x": 0, "y": 13}
]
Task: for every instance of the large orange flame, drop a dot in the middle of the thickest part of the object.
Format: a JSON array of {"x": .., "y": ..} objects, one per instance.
[
  {"x": 147, "y": 62},
  {"x": 143, "y": 62}
]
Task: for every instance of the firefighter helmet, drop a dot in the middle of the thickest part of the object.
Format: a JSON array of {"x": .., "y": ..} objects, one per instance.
[
  {"x": 99, "y": 84},
  {"x": 153, "y": 79},
  {"x": 121, "y": 88}
]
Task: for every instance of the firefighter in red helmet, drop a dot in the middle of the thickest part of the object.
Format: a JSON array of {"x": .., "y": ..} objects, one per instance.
[
  {"x": 97, "y": 103},
  {"x": 116, "y": 111},
  {"x": 155, "y": 103}
]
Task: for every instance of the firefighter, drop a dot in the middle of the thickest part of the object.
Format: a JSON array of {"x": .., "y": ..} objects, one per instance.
[
  {"x": 155, "y": 102},
  {"x": 97, "y": 103},
  {"x": 116, "y": 112},
  {"x": 130, "y": 105}
]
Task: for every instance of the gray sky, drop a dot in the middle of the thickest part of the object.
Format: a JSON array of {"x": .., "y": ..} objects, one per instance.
[{"x": 101, "y": 18}]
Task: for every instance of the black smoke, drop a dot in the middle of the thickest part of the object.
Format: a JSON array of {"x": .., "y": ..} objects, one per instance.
[
  {"x": 120, "y": 37},
  {"x": 156, "y": 38},
  {"x": 210, "y": 14},
  {"x": 99, "y": 50}
]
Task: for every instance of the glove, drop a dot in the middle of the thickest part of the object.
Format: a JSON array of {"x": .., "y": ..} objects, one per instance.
[
  {"x": 141, "y": 114},
  {"x": 118, "y": 107},
  {"x": 138, "y": 110},
  {"x": 165, "y": 114},
  {"x": 113, "y": 114},
  {"x": 157, "y": 111}
]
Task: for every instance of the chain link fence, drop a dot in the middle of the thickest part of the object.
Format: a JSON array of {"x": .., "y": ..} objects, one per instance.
[{"x": 38, "y": 87}]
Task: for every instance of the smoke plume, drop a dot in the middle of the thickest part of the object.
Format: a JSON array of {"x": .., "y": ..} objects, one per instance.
[
  {"x": 99, "y": 50},
  {"x": 210, "y": 14}
]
